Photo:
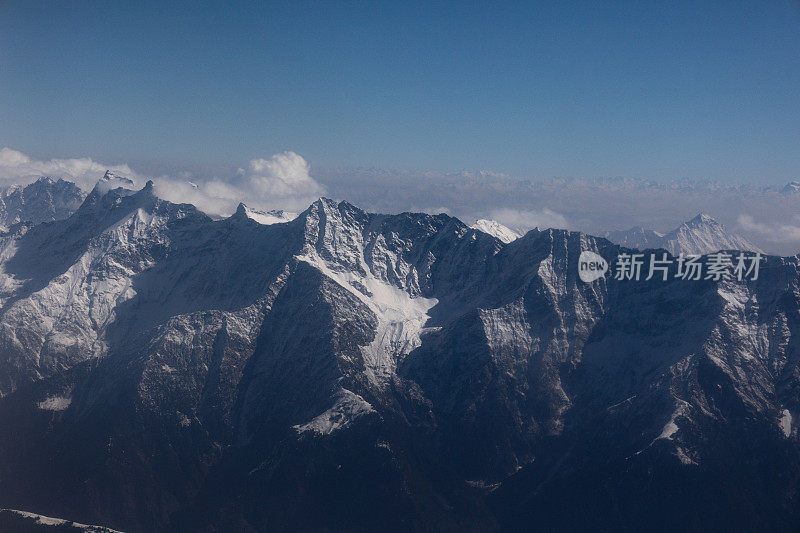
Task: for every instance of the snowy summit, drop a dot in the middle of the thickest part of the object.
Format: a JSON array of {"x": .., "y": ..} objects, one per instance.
[
  {"x": 700, "y": 235},
  {"x": 496, "y": 229}
]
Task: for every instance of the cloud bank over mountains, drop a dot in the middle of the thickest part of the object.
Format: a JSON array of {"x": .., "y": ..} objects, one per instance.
[
  {"x": 766, "y": 215},
  {"x": 280, "y": 182},
  {"x": 17, "y": 168},
  {"x": 775, "y": 234},
  {"x": 523, "y": 220}
]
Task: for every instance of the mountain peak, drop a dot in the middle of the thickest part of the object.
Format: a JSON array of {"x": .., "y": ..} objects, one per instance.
[
  {"x": 330, "y": 210},
  {"x": 496, "y": 229},
  {"x": 44, "y": 200},
  {"x": 700, "y": 235},
  {"x": 45, "y": 180},
  {"x": 322, "y": 203},
  {"x": 702, "y": 218},
  {"x": 111, "y": 181},
  {"x": 111, "y": 176},
  {"x": 275, "y": 216}
]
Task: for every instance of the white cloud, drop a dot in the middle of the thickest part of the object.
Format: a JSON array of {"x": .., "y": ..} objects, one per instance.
[
  {"x": 773, "y": 232},
  {"x": 280, "y": 182},
  {"x": 525, "y": 220},
  {"x": 431, "y": 210},
  {"x": 18, "y": 168},
  {"x": 284, "y": 175}
]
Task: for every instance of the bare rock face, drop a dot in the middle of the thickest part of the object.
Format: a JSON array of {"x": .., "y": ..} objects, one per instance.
[{"x": 344, "y": 370}]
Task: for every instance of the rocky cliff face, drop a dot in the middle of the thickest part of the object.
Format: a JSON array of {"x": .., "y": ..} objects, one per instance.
[{"x": 344, "y": 370}]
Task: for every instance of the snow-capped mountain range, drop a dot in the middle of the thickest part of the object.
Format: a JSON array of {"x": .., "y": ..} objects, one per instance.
[
  {"x": 345, "y": 370},
  {"x": 41, "y": 201},
  {"x": 700, "y": 235}
]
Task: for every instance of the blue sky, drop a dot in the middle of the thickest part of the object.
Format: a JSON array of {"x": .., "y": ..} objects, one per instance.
[{"x": 658, "y": 90}]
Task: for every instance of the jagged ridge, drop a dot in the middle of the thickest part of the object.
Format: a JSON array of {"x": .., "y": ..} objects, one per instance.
[{"x": 238, "y": 374}]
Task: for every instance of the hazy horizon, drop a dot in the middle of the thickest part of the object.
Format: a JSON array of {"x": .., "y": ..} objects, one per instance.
[{"x": 764, "y": 214}]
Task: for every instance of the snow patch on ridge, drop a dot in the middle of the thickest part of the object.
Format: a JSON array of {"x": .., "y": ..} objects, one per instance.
[
  {"x": 41, "y": 520},
  {"x": 496, "y": 229},
  {"x": 66, "y": 319},
  {"x": 400, "y": 316},
  {"x": 54, "y": 403},
  {"x": 348, "y": 407},
  {"x": 267, "y": 218},
  {"x": 785, "y": 422},
  {"x": 8, "y": 282},
  {"x": 671, "y": 427}
]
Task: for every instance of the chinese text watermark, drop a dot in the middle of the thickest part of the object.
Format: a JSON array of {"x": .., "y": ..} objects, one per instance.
[{"x": 717, "y": 266}]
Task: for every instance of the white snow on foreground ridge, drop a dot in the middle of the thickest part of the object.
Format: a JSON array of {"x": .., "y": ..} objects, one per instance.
[
  {"x": 400, "y": 317},
  {"x": 671, "y": 427},
  {"x": 400, "y": 320},
  {"x": 496, "y": 229},
  {"x": 348, "y": 407},
  {"x": 668, "y": 433},
  {"x": 786, "y": 423},
  {"x": 85, "y": 297},
  {"x": 58, "y": 522},
  {"x": 54, "y": 403}
]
